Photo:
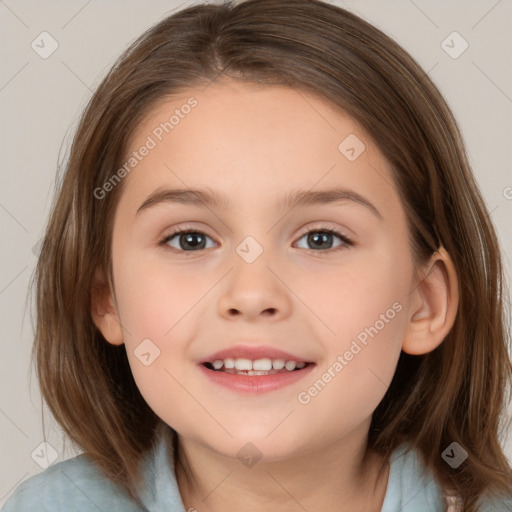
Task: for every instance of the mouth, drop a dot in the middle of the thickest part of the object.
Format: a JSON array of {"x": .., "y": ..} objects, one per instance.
[
  {"x": 254, "y": 369},
  {"x": 264, "y": 366}
]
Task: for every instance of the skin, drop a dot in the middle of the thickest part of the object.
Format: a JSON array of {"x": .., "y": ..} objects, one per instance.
[{"x": 255, "y": 144}]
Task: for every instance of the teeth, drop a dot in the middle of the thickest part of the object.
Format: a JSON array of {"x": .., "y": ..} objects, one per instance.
[
  {"x": 257, "y": 367},
  {"x": 229, "y": 363},
  {"x": 243, "y": 364},
  {"x": 262, "y": 364},
  {"x": 290, "y": 365},
  {"x": 278, "y": 364},
  {"x": 257, "y": 372}
]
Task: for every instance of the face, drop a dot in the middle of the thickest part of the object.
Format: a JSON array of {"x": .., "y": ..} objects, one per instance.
[{"x": 325, "y": 283}]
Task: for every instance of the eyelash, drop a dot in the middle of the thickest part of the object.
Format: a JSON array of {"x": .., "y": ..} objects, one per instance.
[{"x": 347, "y": 242}]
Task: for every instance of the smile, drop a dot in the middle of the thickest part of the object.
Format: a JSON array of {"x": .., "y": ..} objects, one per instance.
[
  {"x": 265, "y": 366},
  {"x": 246, "y": 376}
]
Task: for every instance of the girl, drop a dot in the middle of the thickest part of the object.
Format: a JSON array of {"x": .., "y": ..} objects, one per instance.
[{"x": 195, "y": 338}]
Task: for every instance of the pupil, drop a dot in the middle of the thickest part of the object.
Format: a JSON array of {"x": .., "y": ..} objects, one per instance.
[
  {"x": 189, "y": 241},
  {"x": 323, "y": 237}
]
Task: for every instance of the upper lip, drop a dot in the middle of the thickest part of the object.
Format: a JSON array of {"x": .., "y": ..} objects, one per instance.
[{"x": 254, "y": 353}]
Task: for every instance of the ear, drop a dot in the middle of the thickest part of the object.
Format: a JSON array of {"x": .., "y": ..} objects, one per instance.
[
  {"x": 104, "y": 311},
  {"x": 434, "y": 306}
]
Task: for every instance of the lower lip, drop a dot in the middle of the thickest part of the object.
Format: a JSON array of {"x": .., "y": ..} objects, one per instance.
[{"x": 256, "y": 383}]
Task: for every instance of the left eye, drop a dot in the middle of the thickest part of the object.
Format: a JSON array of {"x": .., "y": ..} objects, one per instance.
[
  {"x": 318, "y": 237},
  {"x": 189, "y": 241}
]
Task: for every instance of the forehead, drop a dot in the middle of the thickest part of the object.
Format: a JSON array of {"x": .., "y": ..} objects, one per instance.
[{"x": 246, "y": 139}]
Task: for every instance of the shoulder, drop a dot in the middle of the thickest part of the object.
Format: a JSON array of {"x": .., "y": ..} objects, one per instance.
[
  {"x": 412, "y": 488},
  {"x": 495, "y": 504},
  {"x": 486, "y": 503},
  {"x": 78, "y": 481}
]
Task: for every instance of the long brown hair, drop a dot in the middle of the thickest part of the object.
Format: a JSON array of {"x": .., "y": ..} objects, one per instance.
[{"x": 455, "y": 393}]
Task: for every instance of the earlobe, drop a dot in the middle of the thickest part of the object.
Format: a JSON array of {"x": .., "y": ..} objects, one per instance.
[
  {"x": 103, "y": 310},
  {"x": 434, "y": 306}
]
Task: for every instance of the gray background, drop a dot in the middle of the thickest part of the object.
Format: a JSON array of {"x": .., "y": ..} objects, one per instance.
[{"x": 41, "y": 99}]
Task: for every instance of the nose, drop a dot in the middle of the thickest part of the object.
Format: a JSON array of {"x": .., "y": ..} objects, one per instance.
[{"x": 254, "y": 291}]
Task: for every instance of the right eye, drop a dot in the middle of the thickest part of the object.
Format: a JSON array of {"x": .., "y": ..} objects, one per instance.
[{"x": 187, "y": 240}]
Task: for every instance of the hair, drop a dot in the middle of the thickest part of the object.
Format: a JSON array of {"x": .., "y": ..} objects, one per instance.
[{"x": 455, "y": 393}]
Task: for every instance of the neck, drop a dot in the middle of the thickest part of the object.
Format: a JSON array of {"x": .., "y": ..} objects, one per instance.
[{"x": 338, "y": 477}]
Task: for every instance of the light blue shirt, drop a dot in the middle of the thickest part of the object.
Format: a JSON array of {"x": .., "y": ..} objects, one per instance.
[{"x": 77, "y": 484}]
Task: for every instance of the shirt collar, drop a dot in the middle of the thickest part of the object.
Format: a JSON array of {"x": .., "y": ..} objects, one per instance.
[{"x": 160, "y": 488}]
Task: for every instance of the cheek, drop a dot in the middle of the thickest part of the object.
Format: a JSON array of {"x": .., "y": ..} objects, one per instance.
[
  {"x": 160, "y": 308},
  {"x": 156, "y": 303},
  {"x": 157, "y": 298},
  {"x": 363, "y": 293},
  {"x": 365, "y": 309}
]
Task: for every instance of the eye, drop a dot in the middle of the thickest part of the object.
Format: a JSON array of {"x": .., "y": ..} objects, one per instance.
[
  {"x": 186, "y": 239},
  {"x": 321, "y": 238},
  {"x": 189, "y": 240}
]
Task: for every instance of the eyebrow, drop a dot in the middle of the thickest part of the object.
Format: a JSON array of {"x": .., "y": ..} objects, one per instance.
[{"x": 213, "y": 199}]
